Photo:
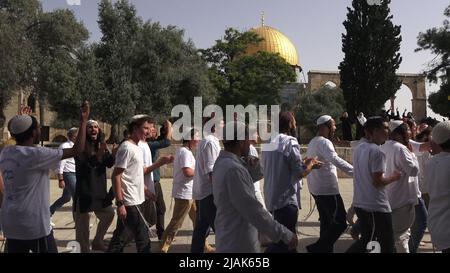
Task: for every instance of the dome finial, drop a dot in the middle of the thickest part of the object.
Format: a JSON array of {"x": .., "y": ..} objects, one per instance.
[{"x": 262, "y": 18}]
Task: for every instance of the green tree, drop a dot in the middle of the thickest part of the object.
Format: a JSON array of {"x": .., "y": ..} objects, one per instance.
[
  {"x": 371, "y": 47},
  {"x": 168, "y": 71},
  {"x": 120, "y": 27},
  {"x": 437, "y": 40},
  {"x": 242, "y": 79},
  {"x": 55, "y": 36},
  {"x": 325, "y": 101},
  {"x": 80, "y": 81},
  {"x": 16, "y": 16}
]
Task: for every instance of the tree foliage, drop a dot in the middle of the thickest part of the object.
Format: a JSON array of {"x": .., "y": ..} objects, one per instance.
[
  {"x": 325, "y": 101},
  {"x": 245, "y": 79},
  {"x": 371, "y": 47},
  {"x": 437, "y": 40}
]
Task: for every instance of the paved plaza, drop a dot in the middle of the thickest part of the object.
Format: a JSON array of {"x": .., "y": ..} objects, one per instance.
[{"x": 308, "y": 229}]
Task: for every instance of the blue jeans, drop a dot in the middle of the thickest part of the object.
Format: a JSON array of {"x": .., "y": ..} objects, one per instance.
[
  {"x": 419, "y": 226},
  {"x": 70, "y": 180}
]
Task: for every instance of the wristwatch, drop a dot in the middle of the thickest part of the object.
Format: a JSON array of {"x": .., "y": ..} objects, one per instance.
[{"x": 119, "y": 203}]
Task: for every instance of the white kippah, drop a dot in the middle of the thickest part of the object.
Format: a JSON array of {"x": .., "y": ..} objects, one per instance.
[
  {"x": 393, "y": 124},
  {"x": 323, "y": 119},
  {"x": 441, "y": 132},
  {"x": 136, "y": 117},
  {"x": 19, "y": 124},
  {"x": 91, "y": 121}
]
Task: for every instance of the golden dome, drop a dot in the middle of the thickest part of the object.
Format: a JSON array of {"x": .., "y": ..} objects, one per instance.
[{"x": 274, "y": 42}]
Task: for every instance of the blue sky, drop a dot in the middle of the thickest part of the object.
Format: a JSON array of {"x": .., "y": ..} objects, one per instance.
[{"x": 314, "y": 26}]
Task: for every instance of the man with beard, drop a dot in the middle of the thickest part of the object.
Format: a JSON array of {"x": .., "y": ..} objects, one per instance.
[
  {"x": 283, "y": 171},
  {"x": 25, "y": 168},
  {"x": 323, "y": 186},
  {"x": 91, "y": 193}
]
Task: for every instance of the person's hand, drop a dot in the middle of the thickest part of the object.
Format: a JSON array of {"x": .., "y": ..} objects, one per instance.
[
  {"x": 312, "y": 163},
  {"x": 317, "y": 164},
  {"x": 61, "y": 184},
  {"x": 25, "y": 110},
  {"x": 122, "y": 212},
  {"x": 163, "y": 160},
  {"x": 293, "y": 242},
  {"x": 167, "y": 124},
  {"x": 396, "y": 176},
  {"x": 115, "y": 147},
  {"x": 85, "y": 111}
]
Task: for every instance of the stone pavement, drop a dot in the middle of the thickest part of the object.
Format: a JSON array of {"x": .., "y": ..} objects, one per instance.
[{"x": 308, "y": 229}]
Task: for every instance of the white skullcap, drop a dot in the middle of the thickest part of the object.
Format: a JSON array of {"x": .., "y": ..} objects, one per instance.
[
  {"x": 394, "y": 124},
  {"x": 136, "y": 117},
  {"x": 19, "y": 124},
  {"x": 441, "y": 132},
  {"x": 91, "y": 122},
  {"x": 323, "y": 119}
]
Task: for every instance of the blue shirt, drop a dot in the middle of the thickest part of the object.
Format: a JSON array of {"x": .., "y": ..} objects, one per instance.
[
  {"x": 283, "y": 169},
  {"x": 155, "y": 145}
]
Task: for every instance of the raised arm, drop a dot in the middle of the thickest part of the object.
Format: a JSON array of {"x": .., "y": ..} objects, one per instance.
[{"x": 80, "y": 142}]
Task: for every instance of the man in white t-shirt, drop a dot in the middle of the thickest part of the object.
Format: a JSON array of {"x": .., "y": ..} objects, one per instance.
[
  {"x": 438, "y": 178},
  {"x": 183, "y": 174},
  {"x": 323, "y": 186},
  {"x": 130, "y": 189},
  {"x": 370, "y": 198},
  {"x": 25, "y": 169},
  {"x": 149, "y": 206},
  {"x": 206, "y": 155}
]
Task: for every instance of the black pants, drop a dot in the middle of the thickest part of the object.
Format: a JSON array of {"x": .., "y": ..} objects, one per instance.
[
  {"x": 45, "y": 244},
  {"x": 332, "y": 216},
  {"x": 287, "y": 216},
  {"x": 206, "y": 214},
  {"x": 135, "y": 225},
  {"x": 446, "y": 250},
  {"x": 378, "y": 224},
  {"x": 160, "y": 209}
]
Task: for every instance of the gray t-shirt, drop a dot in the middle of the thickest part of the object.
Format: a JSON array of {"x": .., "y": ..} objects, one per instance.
[{"x": 369, "y": 159}]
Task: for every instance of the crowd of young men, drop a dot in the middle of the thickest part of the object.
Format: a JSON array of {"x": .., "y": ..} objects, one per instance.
[{"x": 216, "y": 187}]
